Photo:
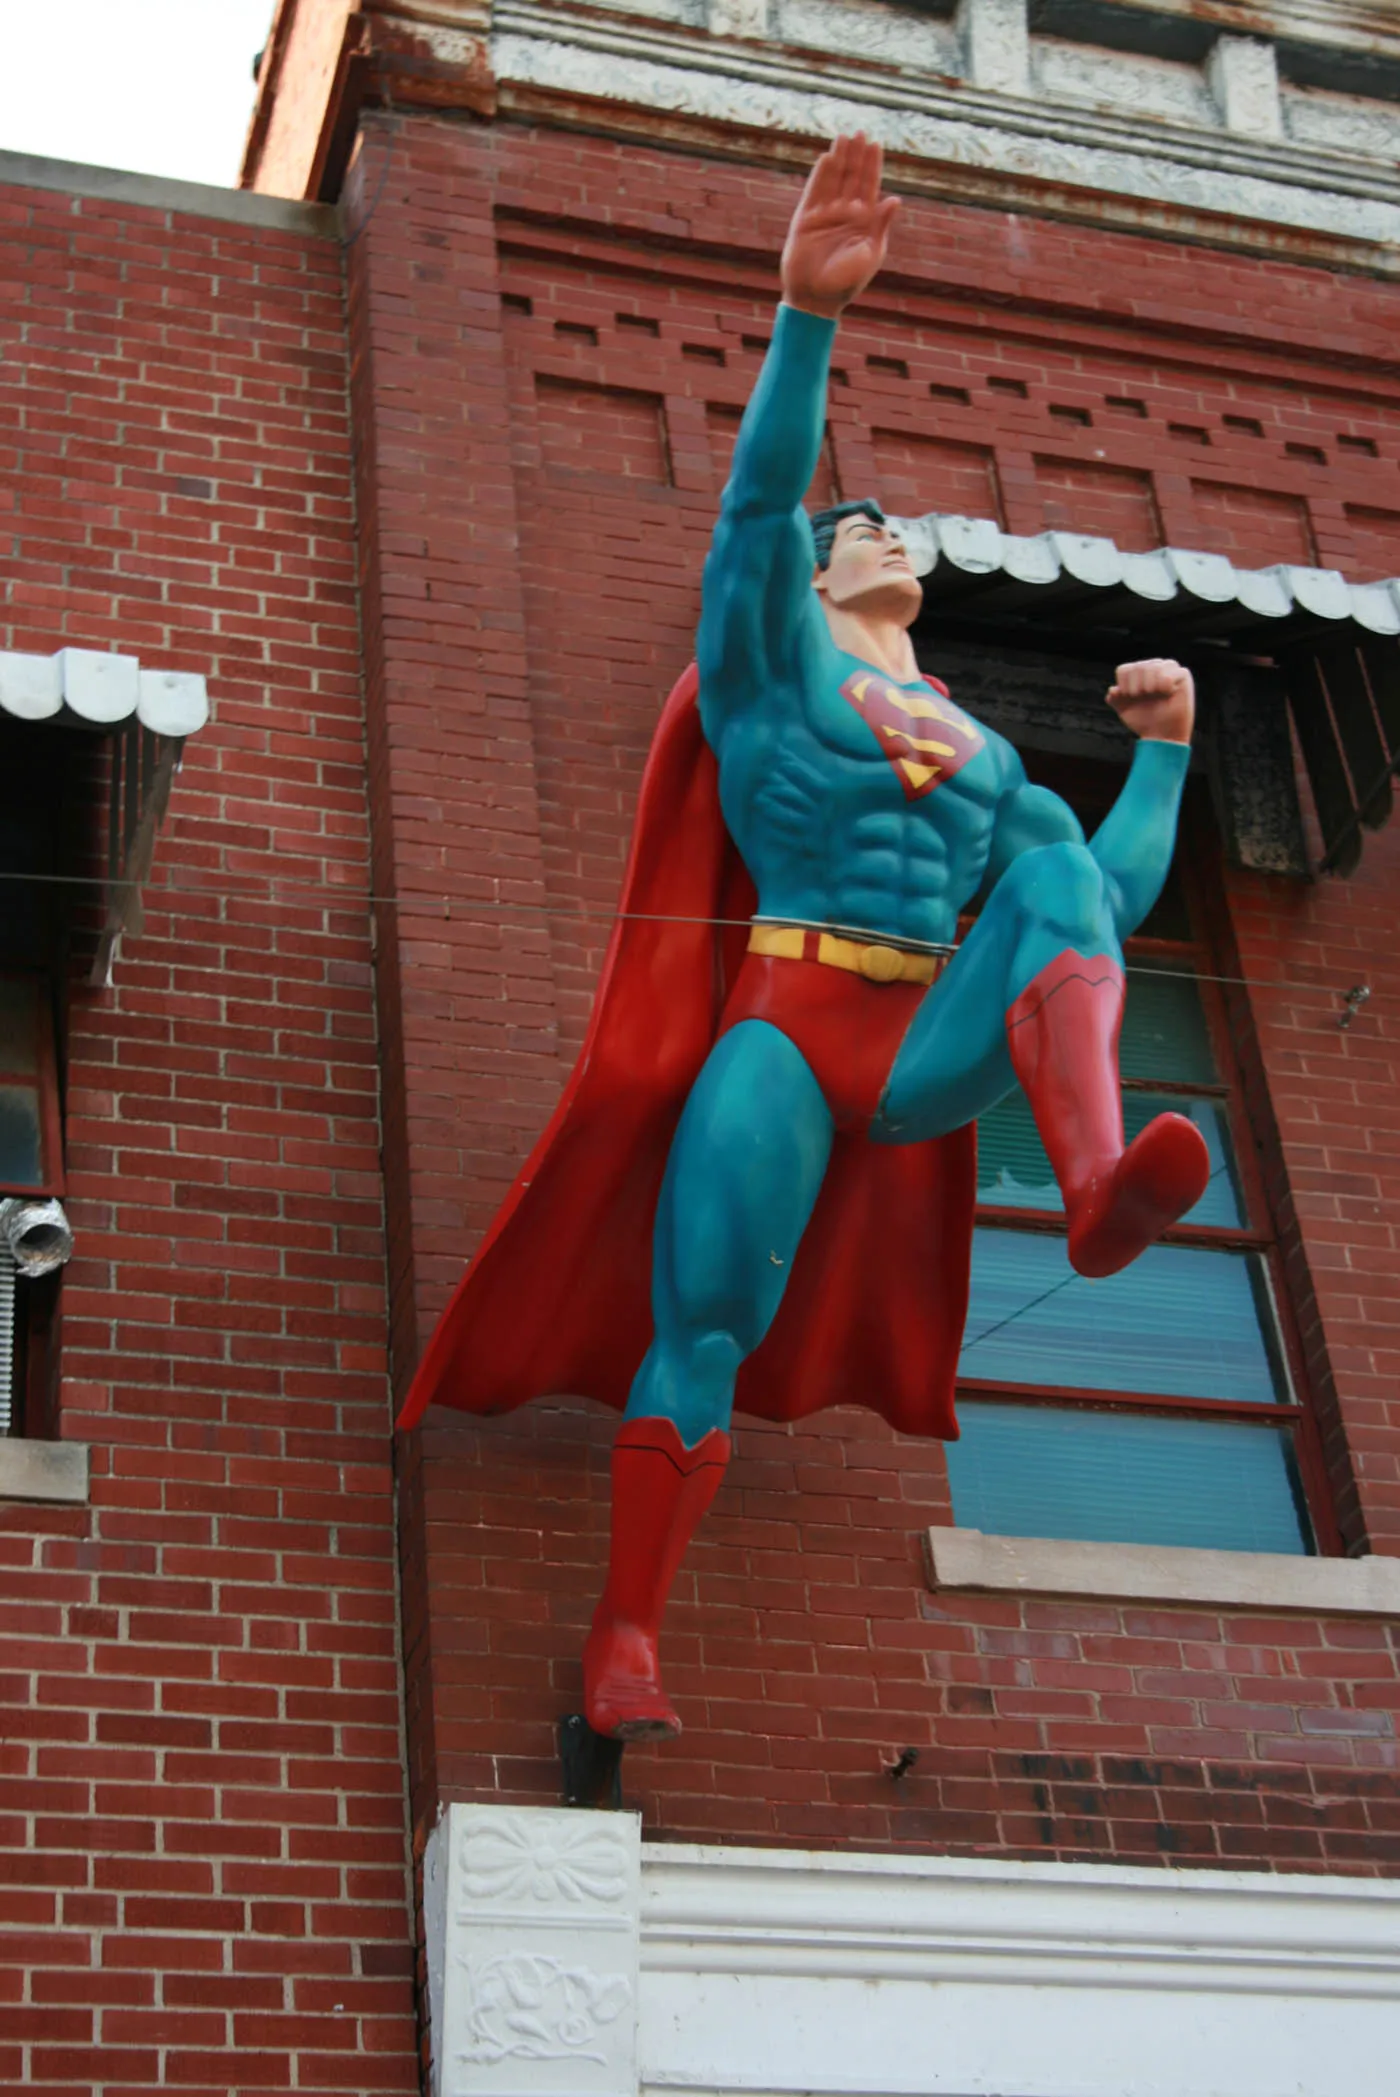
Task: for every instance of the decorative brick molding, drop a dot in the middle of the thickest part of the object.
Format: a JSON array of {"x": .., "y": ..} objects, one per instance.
[{"x": 1185, "y": 130}]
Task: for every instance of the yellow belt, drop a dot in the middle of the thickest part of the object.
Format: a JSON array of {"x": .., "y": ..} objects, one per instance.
[{"x": 878, "y": 964}]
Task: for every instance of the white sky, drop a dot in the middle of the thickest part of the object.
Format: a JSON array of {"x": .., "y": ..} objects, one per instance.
[{"x": 164, "y": 87}]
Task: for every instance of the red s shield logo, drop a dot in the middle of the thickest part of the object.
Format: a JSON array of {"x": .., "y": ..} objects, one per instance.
[{"x": 925, "y": 737}]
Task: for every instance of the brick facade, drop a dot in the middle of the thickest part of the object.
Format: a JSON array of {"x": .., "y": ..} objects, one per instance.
[
  {"x": 541, "y": 343},
  {"x": 588, "y": 319},
  {"x": 204, "y": 1870}
]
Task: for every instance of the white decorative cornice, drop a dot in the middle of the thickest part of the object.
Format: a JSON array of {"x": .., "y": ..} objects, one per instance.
[
  {"x": 995, "y": 37},
  {"x": 788, "y": 1970},
  {"x": 1243, "y": 76},
  {"x": 1139, "y": 140},
  {"x": 774, "y": 1971},
  {"x": 1273, "y": 128}
]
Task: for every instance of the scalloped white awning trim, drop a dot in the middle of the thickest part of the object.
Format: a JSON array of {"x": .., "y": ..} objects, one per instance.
[
  {"x": 86, "y": 684},
  {"x": 976, "y": 547}
]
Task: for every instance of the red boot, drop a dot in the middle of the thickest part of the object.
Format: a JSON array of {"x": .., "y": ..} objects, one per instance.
[
  {"x": 660, "y": 1490},
  {"x": 1062, "y": 1032}
]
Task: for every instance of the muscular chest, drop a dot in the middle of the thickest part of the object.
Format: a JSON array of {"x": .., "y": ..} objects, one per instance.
[
  {"x": 906, "y": 751},
  {"x": 856, "y": 765},
  {"x": 915, "y": 733}
]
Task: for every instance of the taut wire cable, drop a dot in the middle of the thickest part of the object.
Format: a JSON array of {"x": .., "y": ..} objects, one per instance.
[{"x": 484, "y": 911}]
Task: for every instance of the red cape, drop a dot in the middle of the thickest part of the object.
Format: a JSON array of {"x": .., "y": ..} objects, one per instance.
[{"x": 557, "y": 1300}]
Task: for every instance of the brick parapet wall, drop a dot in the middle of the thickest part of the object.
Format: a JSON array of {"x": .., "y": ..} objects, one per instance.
[
  {"x": 204, "y": 1879},
  {"x": 1000, "y": 367}
]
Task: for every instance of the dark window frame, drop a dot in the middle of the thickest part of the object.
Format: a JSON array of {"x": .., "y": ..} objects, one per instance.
[
  {"x": 44, "y": 1080},
  {"x": 1199, "y": 846},
  {"x": 33, "y": 1391}
]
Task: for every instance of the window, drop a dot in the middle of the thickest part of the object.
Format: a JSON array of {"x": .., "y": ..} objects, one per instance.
[
  {"x": 1159, "y": 1405},
  {"x": 31, "y": 1168},
  {"x": 31, "y": 1150}
]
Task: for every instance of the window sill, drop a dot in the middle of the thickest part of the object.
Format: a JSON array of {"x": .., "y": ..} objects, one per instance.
[
  {"x": 44, "y": 1471},
  {"x": 1032, "y": 1565}
]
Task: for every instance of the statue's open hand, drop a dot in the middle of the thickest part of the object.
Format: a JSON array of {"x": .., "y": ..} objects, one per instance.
[
  {"x": 840, "y": 229},
  {"x": 1156, "y": 699}
]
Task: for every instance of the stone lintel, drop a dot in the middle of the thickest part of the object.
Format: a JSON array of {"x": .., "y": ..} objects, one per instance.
[
  {"x": 968, "y": 1559},
  {"x": 52, "y": 1471}
]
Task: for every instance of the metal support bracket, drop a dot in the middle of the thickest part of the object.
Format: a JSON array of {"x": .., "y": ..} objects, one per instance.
[{"x": 590, "y": 1765}]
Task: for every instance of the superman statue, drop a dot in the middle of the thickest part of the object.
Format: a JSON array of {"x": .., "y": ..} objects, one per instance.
[{"x": 758, "y": 1186}]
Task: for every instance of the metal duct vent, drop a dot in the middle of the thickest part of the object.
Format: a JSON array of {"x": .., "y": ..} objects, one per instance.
[
  {"x": 36, "y": 1233},
  {"x": 35, "y": 1238}
]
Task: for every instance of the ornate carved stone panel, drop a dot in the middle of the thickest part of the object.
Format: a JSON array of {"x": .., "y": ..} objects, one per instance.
[{"x": 532, "y": 1919}]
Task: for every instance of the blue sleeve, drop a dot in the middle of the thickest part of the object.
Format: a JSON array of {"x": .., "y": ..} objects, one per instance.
[
  {"x": 1134, "y": 843},
  {"x": 1027, "y": 818},
  {"x": 757, "y": 600}
]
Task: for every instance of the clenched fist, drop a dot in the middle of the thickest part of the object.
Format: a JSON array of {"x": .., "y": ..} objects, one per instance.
[{"x": 1156, "y": 699}]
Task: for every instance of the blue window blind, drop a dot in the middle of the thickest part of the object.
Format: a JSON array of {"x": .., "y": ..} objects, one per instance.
[
  {"x": 1014, "y": 1172},
  {"x": 21, "y": 1122},
  {"x": 21, "y": 1153},
  {"x": 1164, "y": 1029},
  {"x": 1179, "y": 1323},
  {"x": 1125, "y": 1478},
  {"x": 1185, "y": 1322}
]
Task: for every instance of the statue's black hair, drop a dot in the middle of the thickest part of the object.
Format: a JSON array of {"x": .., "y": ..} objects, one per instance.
[{"x": 824, "y": 523}]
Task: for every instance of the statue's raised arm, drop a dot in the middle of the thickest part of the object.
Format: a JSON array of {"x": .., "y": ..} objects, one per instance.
[{"x": 758, "y": 600}]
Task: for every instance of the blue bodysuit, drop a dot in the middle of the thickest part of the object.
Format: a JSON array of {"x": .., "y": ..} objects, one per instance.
[{"x": 879, "y": 811}]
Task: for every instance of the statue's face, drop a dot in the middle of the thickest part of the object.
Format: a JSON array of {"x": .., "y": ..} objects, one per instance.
[{"x": 869, "y": 573}]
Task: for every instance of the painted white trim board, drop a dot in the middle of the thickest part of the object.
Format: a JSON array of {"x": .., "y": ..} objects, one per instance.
[
  {"x": 771, "y": 1971},
  {"x": 568, "y": 1959}
]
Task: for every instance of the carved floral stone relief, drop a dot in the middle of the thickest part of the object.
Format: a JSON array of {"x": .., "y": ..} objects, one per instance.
[
  {"x": 529, "y": 2007},
  {"x": 538, "y": 1994},
  {"x": 530, "y": 1859}
]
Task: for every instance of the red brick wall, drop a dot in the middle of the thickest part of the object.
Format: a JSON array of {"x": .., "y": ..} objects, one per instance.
[
  {"x": 200, "y": 1778},
  {"x": 1332, "y": 1163},
  {"x": 553, "y": 337}
]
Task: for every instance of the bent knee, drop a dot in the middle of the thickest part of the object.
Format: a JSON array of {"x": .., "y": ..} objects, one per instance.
[
  {"x": 688, "y": 1376},
  {"x": 712, "y": 1357},
  {"x": 1061, "y": 884}
]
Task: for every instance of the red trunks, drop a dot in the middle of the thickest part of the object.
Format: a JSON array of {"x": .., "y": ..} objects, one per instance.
[{"x": 849, "y": 1030}]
